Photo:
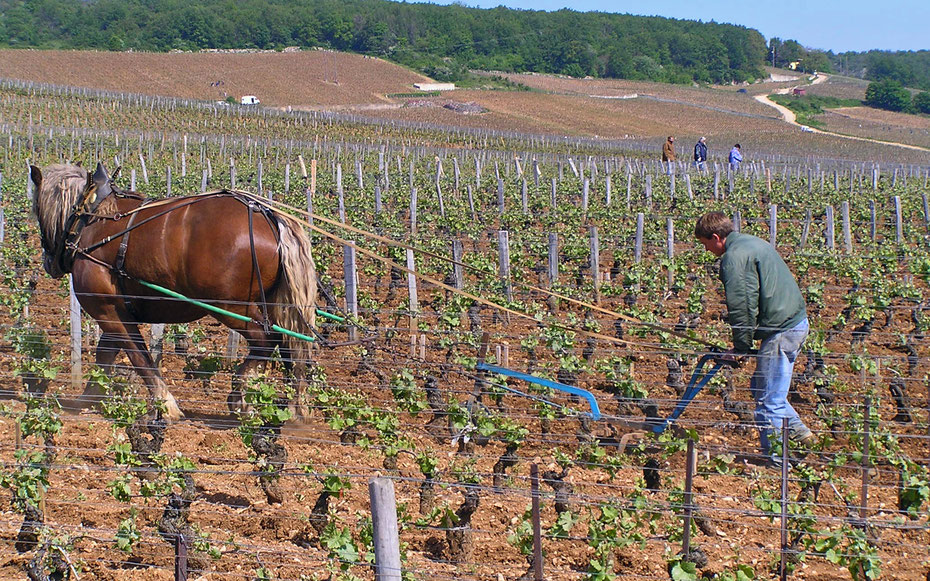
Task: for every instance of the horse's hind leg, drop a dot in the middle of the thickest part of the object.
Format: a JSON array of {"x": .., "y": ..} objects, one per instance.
[
  {"x": 261, "y": 348},
  {"x": 129, "y": 338},
  {"x": 295, "y": 373}
]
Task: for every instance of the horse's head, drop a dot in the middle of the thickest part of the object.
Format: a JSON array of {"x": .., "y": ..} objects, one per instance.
[{"x": 57, "y": 188}]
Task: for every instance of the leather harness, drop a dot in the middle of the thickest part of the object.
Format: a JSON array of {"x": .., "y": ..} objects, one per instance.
[{"x": 82, "y": 213}]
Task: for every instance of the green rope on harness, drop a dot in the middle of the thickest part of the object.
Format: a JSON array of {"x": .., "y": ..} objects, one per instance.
[{"x": 220, "y": 311}]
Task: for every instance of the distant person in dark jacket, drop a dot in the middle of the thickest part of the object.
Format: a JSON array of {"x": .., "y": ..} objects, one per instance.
[
  {"x": 668, "y": 152},
  {"x": 700, "y": 154},
  {"x": 736, "y": 157},
  {"x": 765, "y": 303}
]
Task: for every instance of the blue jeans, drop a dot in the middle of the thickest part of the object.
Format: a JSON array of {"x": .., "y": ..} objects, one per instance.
[{"x": 770, "y": 382}]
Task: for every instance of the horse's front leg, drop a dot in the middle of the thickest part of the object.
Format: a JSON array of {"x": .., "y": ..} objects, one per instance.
[{"x": 132, "y": 342}]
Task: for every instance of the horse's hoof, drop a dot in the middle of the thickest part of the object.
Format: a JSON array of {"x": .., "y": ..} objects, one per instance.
[
  {"x": 172, "y": 412},
  {"x": 235, "y": 403}
]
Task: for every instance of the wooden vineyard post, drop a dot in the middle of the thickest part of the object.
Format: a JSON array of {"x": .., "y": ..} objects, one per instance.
[
  {"x": 864, "y": 494},
  {"x": 232, "y": 345},
  {"x": 737, "y": 221},
  {"x": 898, "y": 220},
  {"x": 688, "y": 186},
  {"x": 638, "y": 242},
  {"x": 629, "y": 189},
  {"x": 607, "y": 193},
  {"x": 350, "y": 275},
  {"x": 157, "y": 332},
  {"x": 442, "y": 205},
  {"x": 261, "y": 183},
  {"x": 872, "y": 225},
  {"x": 503, "y": 249},
  {"x": 671, "y": 182},
  {"x": 340, "y": 194},
  {"x": 768, "y": 180},
  {"x": 525, "y": 198},
  {"x": 75, "y": 318},
  {"x": 595, "y": 262},
  {"x": 457, "y": 250},
  {"x": 413, "y": 211},
  {"x": 847, "y": 228},
  {"x": 923, "y": 198},
  {"x": 829, "y": 232},
  {"x": 670, "y": 250},
  {"x": 688, "y": 505},
  {"x": 552, "y": 191},
  {"x": 716, "y": 182},
  {"x": 180, "y": 558},
  {"x": 805, "y": 231},
  {"x": 145, "y": 173},
  {"x": 553, "y": 270},
  {"x": 203, "y": 182},
  {"x": 412, "y": 292},
  {"x": 783, "y": 563},
  {"x": 500, "y": 196},
  {"x": 168, "y": 181},
  {"x": 132, "y": 180},
  {"x": 537, "y": 524},
  {"x": 287, "y": 178},
  {"x": 384, "y": 529},
  {"x": 232, "y": 174},
  {"x": 471, "y": 203},
  {"x": 585, "y": 185},
  {"x": 378, "y": 207},
  {"x": 773, "y": 224},
  {"x": 649, "y": 191}
]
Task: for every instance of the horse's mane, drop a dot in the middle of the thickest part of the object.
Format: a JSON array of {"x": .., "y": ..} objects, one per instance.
[{"x": 60, "y": 188}]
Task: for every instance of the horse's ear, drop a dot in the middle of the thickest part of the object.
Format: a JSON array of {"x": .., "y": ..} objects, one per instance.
[
  {"x": 100, "y": 175},
  {"x": 36, "y": 174}
]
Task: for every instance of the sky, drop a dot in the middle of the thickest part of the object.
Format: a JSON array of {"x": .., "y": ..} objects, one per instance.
[{"x": 837, "y": 25}]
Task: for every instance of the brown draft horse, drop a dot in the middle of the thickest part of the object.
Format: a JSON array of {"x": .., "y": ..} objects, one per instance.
[{"x": 224, "y": 249}]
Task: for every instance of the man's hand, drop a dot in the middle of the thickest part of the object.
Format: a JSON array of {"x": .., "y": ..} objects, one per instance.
[{"x": 730, "y": 358}]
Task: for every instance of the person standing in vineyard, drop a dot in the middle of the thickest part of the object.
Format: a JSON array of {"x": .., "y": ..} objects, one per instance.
[
  {"x": 668, "y": 152},
  {"x": 736, "y": 157},
  {"x": 765, "y": 303},
  {"x": 700, "y": 154}
]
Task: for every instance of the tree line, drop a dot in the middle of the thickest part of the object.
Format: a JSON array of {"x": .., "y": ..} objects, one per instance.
[{"x": 442, "y": 41}]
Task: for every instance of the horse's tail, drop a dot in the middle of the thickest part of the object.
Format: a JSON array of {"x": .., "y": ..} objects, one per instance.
[{"x": 293, "y": 301}]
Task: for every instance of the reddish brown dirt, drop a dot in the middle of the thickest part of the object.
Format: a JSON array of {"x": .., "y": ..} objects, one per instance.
[
  {"x": 301, "y": 79},
  {"x": 232, "y": 509}
]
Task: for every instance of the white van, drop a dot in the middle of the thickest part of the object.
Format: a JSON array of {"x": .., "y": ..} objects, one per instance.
[{"x": 249, "y": 100}]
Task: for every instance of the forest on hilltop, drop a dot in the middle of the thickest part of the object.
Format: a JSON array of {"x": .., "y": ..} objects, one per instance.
[{"x": 444, "y": 42}]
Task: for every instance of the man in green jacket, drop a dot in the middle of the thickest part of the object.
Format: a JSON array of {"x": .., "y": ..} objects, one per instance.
[{"x": 765, "y": 303}]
